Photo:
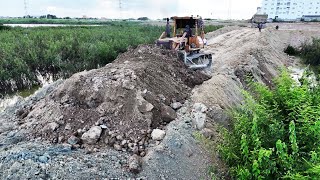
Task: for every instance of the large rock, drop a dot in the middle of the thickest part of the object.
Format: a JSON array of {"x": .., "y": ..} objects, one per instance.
[
  {"x": 158, "y": 134},
  {"x": 167, "y": 113},
  {"x": 92, "y": 136}
]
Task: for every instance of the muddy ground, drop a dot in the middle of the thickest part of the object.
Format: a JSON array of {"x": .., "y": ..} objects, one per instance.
[{"x": 100, "y": 124}]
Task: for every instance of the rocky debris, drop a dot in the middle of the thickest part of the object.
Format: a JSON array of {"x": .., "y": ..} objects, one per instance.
[
  {"x": 158, "y": 134},
  {"x": 134, "y": 163},
  {"x": 167, "y": 113},
  {"x": 30, "y": 160},
  {"x": 92, "y": 136},
  {"x": 127, "y": 97},
  {"x": 177, "y": 154},
  {"x": 176, "y": 105}
]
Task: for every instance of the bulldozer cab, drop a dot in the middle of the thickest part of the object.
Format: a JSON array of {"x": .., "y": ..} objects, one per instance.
[
  {"x": 196, "y": 25},
  {"x": 187, "y": 44},
  {"x": 180, "y": 24}
]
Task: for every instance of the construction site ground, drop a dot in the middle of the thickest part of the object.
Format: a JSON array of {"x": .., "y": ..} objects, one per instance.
[{"x": 100, "y": 124}]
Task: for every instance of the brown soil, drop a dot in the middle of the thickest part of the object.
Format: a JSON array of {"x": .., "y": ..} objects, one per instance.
[{"x": 116, "y": 96}]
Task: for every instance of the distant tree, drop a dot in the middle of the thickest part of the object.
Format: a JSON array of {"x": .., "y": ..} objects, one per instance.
[
  {"x": 143, "y": 18},
  {"x": 50, "y": 16}
]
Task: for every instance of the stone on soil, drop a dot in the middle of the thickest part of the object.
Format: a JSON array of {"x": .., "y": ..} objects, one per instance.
[
  {"x": 73, "y": 140},
  {"x": 145, "y": 106},
  {"x": 167, "y": 113},
  {"x": 52, "y": 126},
  {"x": 92, "y": 136},
  {"x": 176, "y": 105},
  {"x": 158, "y": 134}
]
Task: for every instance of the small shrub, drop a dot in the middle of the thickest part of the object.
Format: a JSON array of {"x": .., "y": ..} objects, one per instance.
[
  {"x": 2, "y": 27},
  {"x": 290, "y": 50},
  {"x": 310, "y": 53}
]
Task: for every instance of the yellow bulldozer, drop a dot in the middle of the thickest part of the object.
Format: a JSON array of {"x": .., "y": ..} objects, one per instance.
[{"x": 188, "y": 40}]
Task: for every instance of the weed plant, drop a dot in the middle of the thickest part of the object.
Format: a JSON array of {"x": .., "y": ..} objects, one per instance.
[{"x": 275, "y": 134}]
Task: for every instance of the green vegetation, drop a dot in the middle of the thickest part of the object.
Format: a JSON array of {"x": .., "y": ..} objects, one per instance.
[
  {"x": 309, "y": 52},
  {"x": 56, "y": 21},
  {"x": 290, "y": 50},
  {"x": 63, "y": 51},
  {"x": 275, "y": 134},
  {"x": 210, "y": 28}
]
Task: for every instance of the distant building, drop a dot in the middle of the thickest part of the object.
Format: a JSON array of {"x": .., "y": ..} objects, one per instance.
[
  {"x": 290, "y": 9},
  {"x": 311, "y": 18}
]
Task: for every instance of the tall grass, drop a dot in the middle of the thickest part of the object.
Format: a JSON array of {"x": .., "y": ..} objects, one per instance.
[{"x": 65, "y": 50}]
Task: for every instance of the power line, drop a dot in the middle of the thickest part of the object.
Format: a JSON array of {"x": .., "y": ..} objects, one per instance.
[
  {"x": 120, "y": 8},
  {"x": 120, "y": 5},
  {"x": 26, "y": 8},
  {"x": 229, "y": 9}
]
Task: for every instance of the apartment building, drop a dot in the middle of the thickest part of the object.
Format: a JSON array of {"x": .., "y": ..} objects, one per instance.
[{"x": 290, "y": 9}]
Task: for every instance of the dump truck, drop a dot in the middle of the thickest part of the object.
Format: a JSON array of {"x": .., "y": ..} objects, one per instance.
[{"x": 188, "y": 40}]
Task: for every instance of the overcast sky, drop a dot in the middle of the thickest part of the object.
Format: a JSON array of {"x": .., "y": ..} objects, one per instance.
[{"x": 222, "y": 9}]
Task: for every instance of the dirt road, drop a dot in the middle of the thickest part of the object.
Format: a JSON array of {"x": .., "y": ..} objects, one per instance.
[
  {"x": 137, "y": 98},
  {"x": 246, "y": 51}
]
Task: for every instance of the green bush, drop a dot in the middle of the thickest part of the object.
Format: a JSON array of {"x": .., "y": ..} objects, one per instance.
[
  {"x": 310, "y": 53},
  {"x": 290, "y": 50},
  {"x": 276, "y": 132}
]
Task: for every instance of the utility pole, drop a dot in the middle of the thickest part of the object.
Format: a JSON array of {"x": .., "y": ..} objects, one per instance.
[
  {"x": 120, "y": 8},
  {"x": 26, "y": 8},
  {"x": 229, "y": 9}
]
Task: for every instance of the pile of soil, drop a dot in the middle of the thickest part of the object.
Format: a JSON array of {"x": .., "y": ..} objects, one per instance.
[{"x": 118, "y": 105}]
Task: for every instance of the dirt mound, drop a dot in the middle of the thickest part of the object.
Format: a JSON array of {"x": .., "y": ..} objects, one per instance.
[{"x": 117, "y": 105}]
